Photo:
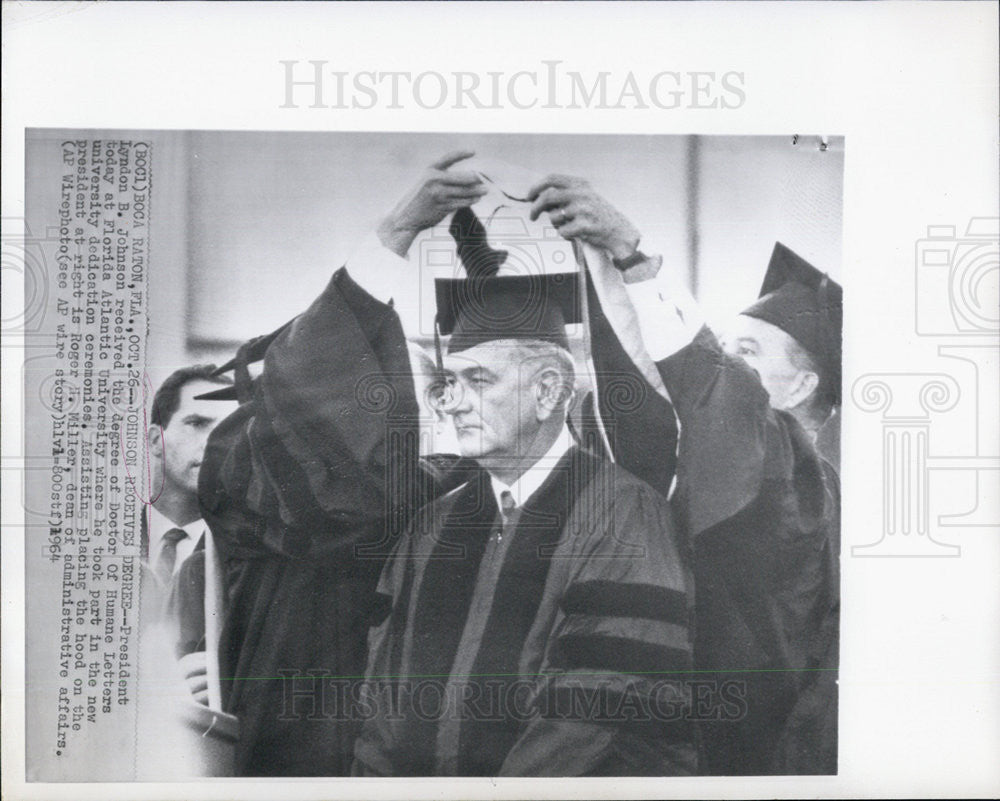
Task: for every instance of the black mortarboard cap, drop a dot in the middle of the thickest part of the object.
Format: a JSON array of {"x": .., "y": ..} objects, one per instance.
[
  {"x": 479, "y": 310},
  {"x": 807, "y": 305},
  {"x": 225, "y": 393},
  {"x": 249, "y": 352}
]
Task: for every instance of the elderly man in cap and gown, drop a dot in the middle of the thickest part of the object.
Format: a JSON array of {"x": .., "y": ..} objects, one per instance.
[
  {"x": 299, "y": 484},
  {"x": 540, "y": 610},
  {"x": 755, "y": 496},
  {"x": 767, "y": 544},
  {"x": 310, "y": 484}
]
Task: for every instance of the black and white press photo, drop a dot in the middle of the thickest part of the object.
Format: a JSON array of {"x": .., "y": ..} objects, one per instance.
[
  {"x": 413, "y": 455},
  {"x": 483, "y": 400}
]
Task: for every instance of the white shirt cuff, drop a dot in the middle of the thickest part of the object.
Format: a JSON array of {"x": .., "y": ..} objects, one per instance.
[
  {"x": 388, "y": 278},
  {"x": 669, "y": 318},
  {"x": 620, "y": 312}
]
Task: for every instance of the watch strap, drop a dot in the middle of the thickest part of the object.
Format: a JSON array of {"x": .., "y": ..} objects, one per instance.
[{"x": 638, "y": 257}]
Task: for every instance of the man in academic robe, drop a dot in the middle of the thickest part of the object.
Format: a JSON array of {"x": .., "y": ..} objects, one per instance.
[
  {"x": 755, "y": 498},
  {"x": 540, "y": 611},
  {"x": 309, "y": 484}
]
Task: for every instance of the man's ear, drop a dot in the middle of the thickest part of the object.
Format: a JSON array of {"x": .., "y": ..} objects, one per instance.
[
  {"x": 802, "y": 389},
  {"x": 154, "y": 441},
  {"x": 551, "y": 393}
]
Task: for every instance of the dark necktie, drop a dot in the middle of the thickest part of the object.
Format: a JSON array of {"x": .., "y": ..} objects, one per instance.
[
  {"x": 507, "y": 512},
  {"x": 168, "y": 554}
]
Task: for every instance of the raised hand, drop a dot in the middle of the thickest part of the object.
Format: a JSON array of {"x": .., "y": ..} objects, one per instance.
[
  {"x": 578, "y": 212},
  {"x": 438, "y": 193}
]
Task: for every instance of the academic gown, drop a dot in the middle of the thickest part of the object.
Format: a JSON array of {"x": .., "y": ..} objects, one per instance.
[
  {"x": 556, "y": 644},
  {"x": 758, "y": 505},
  {"x": 306, "y": 487},
  {"x": 761, "y": 509}
]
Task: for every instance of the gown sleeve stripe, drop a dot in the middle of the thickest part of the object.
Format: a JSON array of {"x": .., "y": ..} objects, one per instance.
[
  {"x": 654, "y": 632},
  {"x": 618, "y": 654},
  {"x": 663, "y": 714},
  {"x": 615, "y": 599}
]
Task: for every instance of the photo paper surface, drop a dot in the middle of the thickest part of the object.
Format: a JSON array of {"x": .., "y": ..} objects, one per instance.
[{"x": 385, "y": 418}]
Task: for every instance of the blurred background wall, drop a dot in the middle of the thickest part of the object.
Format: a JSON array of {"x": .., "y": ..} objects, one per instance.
[{"x": 248, "y": 227}]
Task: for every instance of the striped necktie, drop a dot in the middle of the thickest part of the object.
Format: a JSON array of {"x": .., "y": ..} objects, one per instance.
[{"x": 168, "y": 554}]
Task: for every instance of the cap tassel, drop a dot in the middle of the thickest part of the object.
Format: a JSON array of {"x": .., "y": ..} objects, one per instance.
[
  {"x": 474, "y": 251},
  {"x": 438, "y": 358}
]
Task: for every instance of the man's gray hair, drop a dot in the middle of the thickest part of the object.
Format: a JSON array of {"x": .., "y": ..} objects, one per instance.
[
  {"x": 539, "y": 353},
  {"x": 819, "y": 405}
]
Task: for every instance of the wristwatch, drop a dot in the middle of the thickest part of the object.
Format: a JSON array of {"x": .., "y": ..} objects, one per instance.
[{"x": 637, "y": 257}]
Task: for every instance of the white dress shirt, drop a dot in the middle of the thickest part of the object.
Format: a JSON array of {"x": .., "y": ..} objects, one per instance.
[
  {"x": 159, "y": 525},
  {"x": 531, "y": 479}
]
